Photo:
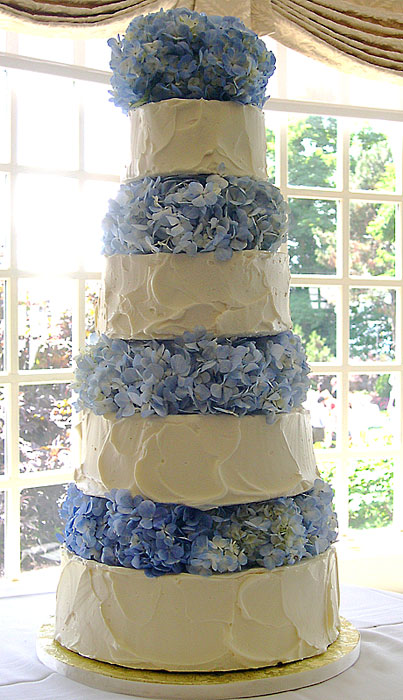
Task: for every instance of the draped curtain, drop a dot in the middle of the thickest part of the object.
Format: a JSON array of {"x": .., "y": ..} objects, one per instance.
[{"x": 364, "y": 36}]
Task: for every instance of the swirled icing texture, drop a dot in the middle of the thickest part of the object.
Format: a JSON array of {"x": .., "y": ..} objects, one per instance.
[
  {"x": 186, "y": 622},
  {"x": 162, "y": 295},
  {"x": 197, "y": 460},
  {"x": 197, "y": 136}
]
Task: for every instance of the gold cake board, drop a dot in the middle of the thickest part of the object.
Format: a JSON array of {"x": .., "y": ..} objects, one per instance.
[{"x": 224, "y": 685}]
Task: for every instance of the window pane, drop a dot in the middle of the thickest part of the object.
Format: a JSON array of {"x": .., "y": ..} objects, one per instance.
[
  {"x": 2, "y": 324},
  {"x": 2, "y": 521},
  {"x": 58, "y": 49},
  {"x": 370, "y": 493},
  {"x": 373, "y": 153},
  {"x": 47, "y": 126},
  {"x": 45, "y": 425},
  {"x": 374, "y": 419},
  {"x": 361, "y": 92},
  {"x": 312, "y": 148},
  {"x": 327, "y": 469},
  {"x": 313, "y": 311},
  {"x": 40, "y": 525},
  {"x": 3, "y": 414},
  {"x": 91, "y": 296},
  {"x": 372, "y": 324},
  {"x": 95, "y": 205},
  {"x": 97, "y": 54},
  {"x": 323, "y": 405},
  {"x": 271, "y": 147},
  {"x": 44, "y": 323},
  {"x": 104, "y": 154},
  {"x": 312, "y": 239},
  {"x": 5, "y": 128},
  {"x": 46, "y": 216},
  {"x": 372, "y": 238},
  {"x": 5, "y": 218},
  {"x": 325, "y": 84}
]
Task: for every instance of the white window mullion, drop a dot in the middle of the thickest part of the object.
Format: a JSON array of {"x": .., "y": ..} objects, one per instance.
[
  {"x": 333, "y": 109},
  {"x": 398, "y": 463},
  {"x": 62, "y": 70},
  {"x": 342, "y": 472},
  {"x": 79, "y": 311},
  {"x": 12, "y": 530},
  {"x": 283, "y": 159}
]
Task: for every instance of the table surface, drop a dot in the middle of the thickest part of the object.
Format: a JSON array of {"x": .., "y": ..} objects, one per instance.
[{"x": 377, "y": 675}]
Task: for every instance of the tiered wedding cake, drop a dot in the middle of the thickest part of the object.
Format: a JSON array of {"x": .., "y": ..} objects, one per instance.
[{"x": 198, "y": 534}]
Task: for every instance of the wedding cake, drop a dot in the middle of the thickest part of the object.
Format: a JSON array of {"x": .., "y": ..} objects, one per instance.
[{"x": 198, "y": 532}]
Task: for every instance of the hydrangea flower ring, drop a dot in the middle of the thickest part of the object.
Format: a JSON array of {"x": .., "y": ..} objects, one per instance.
[
  {"x": 180, "y": 53},
  {"x": 192, "y": 374},
  {"x": 193, "y": 214},
  {"x": 162, "y": 538}
]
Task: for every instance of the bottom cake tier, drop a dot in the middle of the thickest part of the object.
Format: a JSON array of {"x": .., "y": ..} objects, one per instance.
[{"x": 187, "y": 622}]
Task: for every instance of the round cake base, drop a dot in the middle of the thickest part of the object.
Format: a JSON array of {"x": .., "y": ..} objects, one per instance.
[{"x": 223, "y": 685}]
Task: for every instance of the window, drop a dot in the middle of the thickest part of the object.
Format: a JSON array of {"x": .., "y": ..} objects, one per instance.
[
  {"x": 340, "y": 167},
  {"x": 61, "y": 155},
  {"x": 337, "y": 159}
]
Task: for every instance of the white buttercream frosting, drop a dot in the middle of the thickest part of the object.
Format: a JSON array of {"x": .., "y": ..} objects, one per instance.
[
  {"x": 197, "y": 460},
  {"x": 197, "y": 136},
  {"x": 186, "y": 622},
  {"x": 162, "y": 295}
]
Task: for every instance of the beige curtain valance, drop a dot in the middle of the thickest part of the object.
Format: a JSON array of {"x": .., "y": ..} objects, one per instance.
[
  {"x": 84, "y": 18},
  {"x": 361, "y": 36},
  {"x": 364, "y": 36}
]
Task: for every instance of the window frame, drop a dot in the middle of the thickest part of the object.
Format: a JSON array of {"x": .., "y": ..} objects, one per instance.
[
  {"x": 13, "y": 481},
  {"x": 344, "y": 281}
]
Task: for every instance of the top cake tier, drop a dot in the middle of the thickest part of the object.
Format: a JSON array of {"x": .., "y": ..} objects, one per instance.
[{"x": 186, "y": 55}]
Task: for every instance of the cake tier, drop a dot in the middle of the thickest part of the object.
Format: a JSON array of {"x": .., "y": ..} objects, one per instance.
[
  {"x": 197, "y": 136},
  {"x": 163, "y": 295},
  {"x": 186, "y": 622},
  {"x": 197, "y": 460}
]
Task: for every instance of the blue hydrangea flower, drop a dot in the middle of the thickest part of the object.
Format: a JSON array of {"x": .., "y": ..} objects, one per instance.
[
  {"x": 195, "y": 214},
  {"x": 192, "y": 374},
  {"x": 180, "y": 53},
  {"x": 161, "y": 538}
]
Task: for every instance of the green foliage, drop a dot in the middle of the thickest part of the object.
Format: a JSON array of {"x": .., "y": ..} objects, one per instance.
[
  {"x": 372, "y": 324},
  {"x": 317, "y": 328},
  {"x": 312, "y": 147},
  {"x": 316, "y": 349},
  {"x": 371, "y": 160},
  {"x": 327, "y": 470},
  {"x": 271, "y": 154},
  {"x": 45, "y": 414},
  {"x": 312, "y": 236},
  {"x": 312, "y": 152},
  {"x": 372, "y": 224},
  {"x": 372, "y": 238},
  {"x": 40, "y": 525},
  {"x": 371, "y": 494},
  {"x": 44, "y": 418},
  {"x": 382, "y": 386}
]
